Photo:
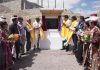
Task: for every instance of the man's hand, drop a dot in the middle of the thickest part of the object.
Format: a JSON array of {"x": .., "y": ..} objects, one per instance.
[{"x": 64, "y": 24}]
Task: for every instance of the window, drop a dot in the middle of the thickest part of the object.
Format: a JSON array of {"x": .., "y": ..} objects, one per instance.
[{"x": 52, "y": 23}]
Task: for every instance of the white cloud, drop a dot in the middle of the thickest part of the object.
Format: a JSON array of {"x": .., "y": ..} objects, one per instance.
[
  {"x": 59, "y": 3},
  {"x": 96, "y": 5},
  {"x": 68, "y": 4},
  {"x": 84, "y": 12},
  {"x": 83, "y": 4}
]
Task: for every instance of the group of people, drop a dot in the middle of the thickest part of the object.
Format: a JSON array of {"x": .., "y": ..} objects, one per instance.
[
  {"x": 85, "y": 35},
  {"x": 17, "y": 39}
]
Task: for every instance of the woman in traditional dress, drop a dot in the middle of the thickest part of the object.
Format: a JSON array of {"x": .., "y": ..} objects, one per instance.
[
  {"x": 95, "y": 44},
  {"x": 6, "y": 48},
  {"x": 79, "y": 30},
  {"x": 1, "y": 52},
  {"x": 85, "y": 39}
]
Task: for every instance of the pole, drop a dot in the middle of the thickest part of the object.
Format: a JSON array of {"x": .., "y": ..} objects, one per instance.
[
  {"x": 63, "y": 4},
  {"x": 42, "y": 3},
  {"x": 55, "y": 3},
  {"x": 48, "y": 3},
  {"x": 38, "y": 2}
]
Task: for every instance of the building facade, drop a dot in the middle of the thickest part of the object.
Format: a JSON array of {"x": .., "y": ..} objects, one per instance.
[{"x": 1, "y": 1}]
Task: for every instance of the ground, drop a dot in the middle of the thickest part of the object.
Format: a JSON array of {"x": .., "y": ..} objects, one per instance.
[{"x": 48, "y": 60}]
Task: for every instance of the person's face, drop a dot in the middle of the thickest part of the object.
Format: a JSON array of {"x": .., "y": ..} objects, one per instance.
[
  {"x": 15, "y": 21},
  {"x": 65, "y": 18},
  {"x": 29, "y": 21},
  {"x": 85, "y": 26},
  {"x": 21, "y": 20},
  {"x": 72, "y": 19},
  {"x": 92, "y": 24},
  {"x": 80, "y": 19},
  {"x": 5, "y": 26}
]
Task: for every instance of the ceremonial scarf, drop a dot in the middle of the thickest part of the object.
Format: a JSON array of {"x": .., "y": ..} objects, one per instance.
[
  {"x": 41, "y": 33},
  {"x": 64, "y": 30},
  {"x": 32, "y": 33},
  {"x": 70, "y": 33}
]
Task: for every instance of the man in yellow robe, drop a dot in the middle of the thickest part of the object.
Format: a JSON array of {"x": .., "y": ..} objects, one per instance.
[
  {"x": 64, "y": 31},
  {"x": 72, "y": 33},
  {"x": 30, "y": 36}
]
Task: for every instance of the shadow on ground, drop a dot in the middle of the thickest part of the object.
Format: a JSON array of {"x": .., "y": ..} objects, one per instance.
[{"x": 26, "y": 61}]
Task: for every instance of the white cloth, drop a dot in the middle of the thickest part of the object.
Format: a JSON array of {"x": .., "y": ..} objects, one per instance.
[
  {"x": 69, "y": 22},
  {"x": 76, "y": 24},
  {"x": 36, "y": 24},
  {"x": 14, "y": 51}
]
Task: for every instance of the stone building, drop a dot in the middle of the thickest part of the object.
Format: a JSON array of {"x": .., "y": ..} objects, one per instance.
[
  {"x": 1, "y": 1},
  {"x": 22, "y": 8}
]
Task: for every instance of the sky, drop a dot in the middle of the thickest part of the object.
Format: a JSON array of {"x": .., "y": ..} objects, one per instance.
[{"x": 78, "y": 6}]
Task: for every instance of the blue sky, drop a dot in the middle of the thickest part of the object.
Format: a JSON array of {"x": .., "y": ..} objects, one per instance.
[
  {"x": 79, "y": 6},
  {"x": 84, "y": 6}
]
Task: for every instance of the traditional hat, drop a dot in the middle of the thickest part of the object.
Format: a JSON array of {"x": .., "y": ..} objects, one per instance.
[
  {"x": 93, "y": 17},
  {"x": 14, "y": 17},
  {"x": 2, "y": 19}
]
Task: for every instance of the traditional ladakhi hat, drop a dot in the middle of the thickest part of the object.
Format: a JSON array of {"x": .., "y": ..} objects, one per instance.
[
  {"x": 2, "y": 19},
  {"x": 14, "y": 17},
  {"x": 93, "y": 17}
]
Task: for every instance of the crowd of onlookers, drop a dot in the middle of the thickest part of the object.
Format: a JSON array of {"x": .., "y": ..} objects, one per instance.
[
  {"x": 16, "y": 39},
  {"x": 85, "y": 34}
]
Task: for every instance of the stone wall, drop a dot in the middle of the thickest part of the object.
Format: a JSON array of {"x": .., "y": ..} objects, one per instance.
[
  {"x": 8, "y": 9},
  {"x": 13, "y": 5},
  {"x": 30, "y": 10},
  {"x": 29, "y": 5},
  {"x": 1, "y": 1}
]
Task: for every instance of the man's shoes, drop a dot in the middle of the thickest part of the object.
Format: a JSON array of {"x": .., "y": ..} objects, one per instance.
[
  {"x": 23, "y": 53},
  {"x": 65, "y": 44},
  {"x": 34, "y": 49},
  {"x": 63, "y": 49},
  {"x": 67, "y": 50},
  {"x": 38, "y": 49}
]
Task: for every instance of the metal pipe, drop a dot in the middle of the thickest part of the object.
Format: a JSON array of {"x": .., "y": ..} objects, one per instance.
[{"x": 55, "y": 3}]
